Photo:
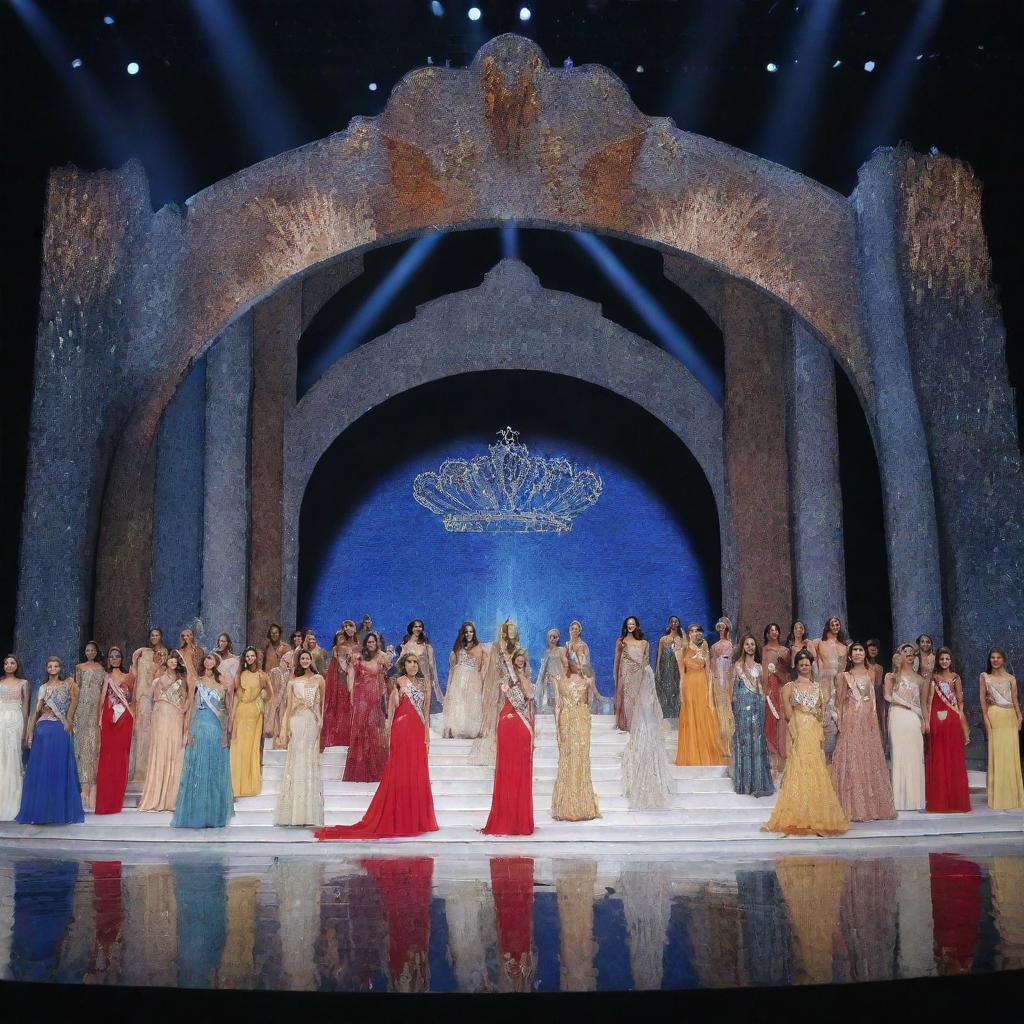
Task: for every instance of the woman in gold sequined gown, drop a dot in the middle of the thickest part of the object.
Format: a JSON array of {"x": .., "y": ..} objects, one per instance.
[
  {"x": 807, "y": 803},
  {"x": 573, "y": 797}
]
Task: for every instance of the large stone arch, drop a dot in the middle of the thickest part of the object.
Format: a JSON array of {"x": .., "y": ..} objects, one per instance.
[{"x": 459, "y": 333}]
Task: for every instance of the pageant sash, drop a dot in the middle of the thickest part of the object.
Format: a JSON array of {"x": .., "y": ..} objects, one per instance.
[
  {"x": 58, "y": 714},
  {"x": 995, "y": 693},
  {"x": 119, "y": 703},
  {"x": 947, "y": 694},
  {"x": 516, "y": 697},
  {"x": 206, "y": 699}
]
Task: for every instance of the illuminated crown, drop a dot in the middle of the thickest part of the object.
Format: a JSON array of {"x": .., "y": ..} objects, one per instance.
[{"x": 507, "y": 491}]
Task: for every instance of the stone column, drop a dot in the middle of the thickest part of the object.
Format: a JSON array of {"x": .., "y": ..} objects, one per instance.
[
  {"x": 226, "y": 471},
  {"x": 176, "y": 590},
  {"x": 819, "y": 564}
]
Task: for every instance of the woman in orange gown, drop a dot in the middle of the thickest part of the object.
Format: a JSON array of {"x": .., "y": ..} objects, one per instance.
[{"x": 699, "y": 735}]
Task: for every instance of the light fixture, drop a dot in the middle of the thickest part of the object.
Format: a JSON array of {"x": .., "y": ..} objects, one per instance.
[
  {"x": 76, "y": 63},
  {"x": 437, "y": 9},
  {"x": 474, "y": 13},
  {"x": 772, "y": 67},
  {"x": 837, "y": 63},
  {"x": 373, "y": 87},
  {"x": 869, "y": 66},
  {"x": 524, "y": 14},
  {"x": 133, "y": 68},
  {"x": 108, "y": 20}
]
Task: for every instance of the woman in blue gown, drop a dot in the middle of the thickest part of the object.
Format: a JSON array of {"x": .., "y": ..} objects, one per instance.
[
  {"x": 205, "y": 799},
  {"x": 750, "y": 769}
]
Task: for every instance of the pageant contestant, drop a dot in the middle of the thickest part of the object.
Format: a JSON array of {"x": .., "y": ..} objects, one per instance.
[
  {"x": 512, "y": 796},
  {"x": 874, "y": 648},
  {"x": 721, "y": 674},
  {"x": 301, "y": 800},
  {"x": 204, "y": 796},
  {"x": 337, "y": 701},
  {"x": 832, "y": 649},
  {"x": 552, "y": 668},
  {"x": 645, "y": 771},
  {"x": 50, "y": 793},
  {"x": 320, "y": 656},
  {"x": 497, "y": 669},
  {"x": 859, "y": 773},
  {"x": 279, "y": 681},
  {"x": 1000, "y": 710},
  {"x": 15, "y": 694},
  {"x": 245, "y": 724},
  {"x": 118, "y": 704},
  {"x": 807, "y": 804},
  {"x": 192, "y": 655},
  {"x": 146, "y": 664},
  {"x": 632, "y": 658},
  {"x": 577, "y": 650},
  {"x": 403, "y": 804},
  {"x": 230, "y": 663},
  {"x": 945, "y": 767},
  {"x": 273, "y": 650},
  {"x": 573, "y": 798},
  {"x": 751, "y": 772},
  {"x": 699, "y": 735},
  {"x": 800, "y": 641},
  {"x": 775, "y": 662},
  {"x": 89, "y": 677},
  {"x": 463, "y": 696},
  {"x": 367, "y": 683},
  {"x": 906, "y": 695},
  {"x": 925, "y": 657},
  {"x": 417, "y": 642},
  {"x": 667, "y": 667},
  {"x": 167, "y": 741}
]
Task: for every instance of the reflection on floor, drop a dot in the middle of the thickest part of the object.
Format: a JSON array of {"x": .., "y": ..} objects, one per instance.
[{"x": 472, "y": 923}]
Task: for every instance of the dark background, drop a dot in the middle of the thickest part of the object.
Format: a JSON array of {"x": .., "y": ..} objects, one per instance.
[{"x": 703, "y": 65}]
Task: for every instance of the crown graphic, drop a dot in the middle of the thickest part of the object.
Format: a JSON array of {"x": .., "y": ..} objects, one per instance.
[{"x": 507, "y": 491}]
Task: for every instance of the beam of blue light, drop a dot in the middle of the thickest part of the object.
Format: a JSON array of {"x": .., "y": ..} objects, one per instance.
[
  {"x": 786, "y": 131},
  {"x": 509, "y": 240},
  {"x": 890, "y": 101},
  {"x": 660, "y": 323},
  {"x": 269, "y": 123},
  {"x": 362, "y": 321}
]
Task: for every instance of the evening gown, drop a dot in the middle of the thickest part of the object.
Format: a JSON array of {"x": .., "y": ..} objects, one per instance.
[
  {"x": 668, "y": 678},
  {"x": 512, "y": 796},
  {"x": 645, "y": 773},
  {"x": 205, "y": 799},
  {"x": 751, "y": 773},
  {"x": 87, "y": 733},
  {"x": 945, "y": 768},
  {"x": 573, "y": 797},
  {"x": 1005, "y": 787},
  {"x": 12, "y": 727},
  {"x": 50, "y": 793},
  {"x": 274, "y": 715},
  {"x": 337, "y": 730},
  {"x": 807, "y": 804},
  {"x": 301, "y": 799},
  {"x": 859, "y": 773},
  {"x": 144, "y": 676},
  {"x": 116, "y": 728},
  {"x": 828, "y": 669},
  {"x": 463, "y": 698},
  {"x": 247, "y": 734},
  {"x": 546, "y": 688},
  {"x": 699, "y": 736},
  {"x": 775, "y": 661},
  {"x": 275, "y": 706},
  {"x": 403, "y": 804},
  {"x": 721, "y": 668},
  {"x": 368, "y": 745},
  {"x": 633, "y": 661},
  {"x": 906, "y": 742},
  {"x": 166, "y": 745}
]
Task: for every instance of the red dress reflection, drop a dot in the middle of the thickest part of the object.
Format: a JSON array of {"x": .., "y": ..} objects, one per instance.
[
  {"x": 403, "y": 804},
  {"x": 512, "y": 886},
  {"x": 403, "y": 884},
  {"x": 956, "y": 911},
  {"x": 106, "y": 880},
  {"x": 116, "y": 725},
  {"x": 368, "y": 743},
  {"x": 512, "y": 797},
  {"x": 337, "y": 727}
]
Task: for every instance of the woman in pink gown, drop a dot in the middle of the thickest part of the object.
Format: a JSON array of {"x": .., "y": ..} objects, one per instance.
[
  {"x": 367, "y": 684},
  {"x": 403, "y": 804}
]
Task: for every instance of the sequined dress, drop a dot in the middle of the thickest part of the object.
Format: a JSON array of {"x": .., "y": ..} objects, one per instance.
[
  {"x": 668, "y": 676},
  {"x": 906, "y": 741},
  {"x": 204, "y": 798},
  {"x": 301, "y": 799},
  {"x": 166, "y": 745},
  {"x": 463, "y": 698},
  {"x": 573, "y": 797},
  {"x": 87, "y": 733},
  {"x": 646, "y": 781},
  {"x": 12, "y": 727},
  {"x": 751, "y": 772}
]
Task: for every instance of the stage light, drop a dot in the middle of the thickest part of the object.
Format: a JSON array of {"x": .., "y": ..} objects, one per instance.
[
  {"x": 509, "y": 240},
  {"x": 373, "y": 87},
  {"x": 639, "y": 69},
  {"x": 436, "y": 8},
  {"x": 133, "y": 68},
  {"x": 837, "y": 64},
  {"x": 772, "y": 67},
  {"x": 567, "y": 63},
  {"x": 474, "y": 13},
  {"x": 108, "y": 20},
  {"x": 919, "y": 56},
  {"x": 524, "y": 14},
  {"x": 869, "y": 66},
  {"x": 934, "y": 150},
  {"x": 76, "y": 63}
]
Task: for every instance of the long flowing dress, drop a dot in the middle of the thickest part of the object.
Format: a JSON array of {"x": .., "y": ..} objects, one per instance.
[
  {"x": 116, "y": 728},
  {"x": 274, "y": 714},
  {"x": 50, "y": 793},
  {"x": 205, "y": 799},
  {"x": 404, "y": 886},
  {"x": 699, "y": 735},
  {"x": 574, "y": 893},
  {"x": 945, "y": 768},
  {"x": 807, "y": 804},
  {"x": 301, "y": 799},
  {"x": 247, "y": 734},
  {"x": 1005, "y": 787},
  {"x": 956, "y": 885},
  {"x": 403, "y": 804},
  {"x": 463, "y": 697},
  {"x": 545, "y": 690},
  {"x": 751, "y": 772},
  {"x": 859, "y": 773},
  {"x": 646, "y": 780},
  {"x": 87, "y": 714},
  {"x": 573, "y": 797},
  {"x": 166, "y": 745},
  {"x": 337, "y": 730},
  {"x": 631, "y": 660},
  {"x": 144, "y": 676},
  {"x": 775, "y": 661},
  {"x": 881, "y": 705},
  {"x": 828, "y": 669},
  {"x": 368, "y": 746},
  {"x": 512, "y": 887},
  {"x": 512, "y": 796},
  {"x": 721, "y": 669},
  {"x": 428, "y": 668},
  {"x": 12, "y": 728},
  {"x": 668, "y": 677},
  {"x": 907, "y": 744}
]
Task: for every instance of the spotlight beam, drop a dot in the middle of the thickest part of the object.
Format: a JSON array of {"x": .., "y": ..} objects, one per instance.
[
  {"x": 647, "y": 307},
  {"x": 509, "y": 240}
]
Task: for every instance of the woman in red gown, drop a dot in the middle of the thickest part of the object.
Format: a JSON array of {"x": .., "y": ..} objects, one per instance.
[
  {"x": 368, "y": 743},
  {"x": 945, "y": 778},
  {"x": 337, "y": 728},
  {"x": 117, "y": 720},
  {"x": 512, "y": 798},
  {"x": 403, "y": 804}
]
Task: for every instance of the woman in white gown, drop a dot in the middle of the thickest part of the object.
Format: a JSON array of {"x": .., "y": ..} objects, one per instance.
[
  {"x": 645, "y": 771},
  {"x": 301, "y": 800},
  {"x": 14, "y": 705},
  {"x": 906, "y": 693},
  {"x": 463, "y": 697}
]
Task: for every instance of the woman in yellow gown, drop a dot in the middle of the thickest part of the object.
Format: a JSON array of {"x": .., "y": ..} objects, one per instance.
[
  {"x": 252, "y": 692},
  {"x": 807, "y": 804},
  {"x": 699, "y": 735},
  {"x": 1000, "y": 712}
]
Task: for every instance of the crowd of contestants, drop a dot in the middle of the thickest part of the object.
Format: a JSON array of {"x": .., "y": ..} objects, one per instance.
[{"x": 821, "y": 719}]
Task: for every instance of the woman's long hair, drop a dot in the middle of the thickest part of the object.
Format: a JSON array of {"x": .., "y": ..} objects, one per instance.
[
  {"x": 988, "y": 664},
  {"x": 460, "y": 638},
  {"x": 17, "y": 665},
  {"x": 638, "y": 633},
  {"x": 737, "y": 652},
  {"x": 424, "y": 639}
]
